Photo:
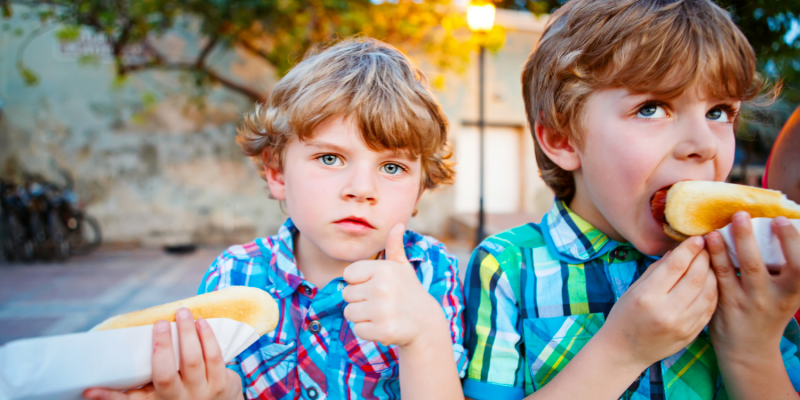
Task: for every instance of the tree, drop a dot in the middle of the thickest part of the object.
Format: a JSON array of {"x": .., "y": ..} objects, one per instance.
[{"x": 276, "y": 31}]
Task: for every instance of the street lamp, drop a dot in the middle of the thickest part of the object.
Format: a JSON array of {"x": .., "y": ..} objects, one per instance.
[{"x": 480, "y": 18}]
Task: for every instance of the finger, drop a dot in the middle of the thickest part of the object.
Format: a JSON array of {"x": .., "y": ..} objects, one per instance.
[
  {"x": 358, "y": 312},
  {"x": 669, "y": 269},
  {"x": 689, "y": 287},
  {"x": 104, "y": 394},
  {"x": 703, "y": 307},
  {"x": 358, "y": 272},
  {"x": 754, "y": 274},
  {"x": 790, "y": 244},
  {"x": 395, "y": 248},
  {"x": 107, "y": 394},
  {"x": 367, "y": 331},
  {"x": 355, "y": 293},
  {"x": 212, "y": 355},
  {"x": 165, "y": 372},
  {"x": 722, "y": 264},
  {"x": 193, "y": 368}
]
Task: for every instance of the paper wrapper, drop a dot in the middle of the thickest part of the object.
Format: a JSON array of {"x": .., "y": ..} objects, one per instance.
[
  {"x": 62, "y": 367},
  {"x": 768, "y": 243}
]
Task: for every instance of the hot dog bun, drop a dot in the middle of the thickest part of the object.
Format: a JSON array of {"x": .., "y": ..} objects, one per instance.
[
  {"x": 252, "y": 306},
  {"x": 695, "y": 208}
]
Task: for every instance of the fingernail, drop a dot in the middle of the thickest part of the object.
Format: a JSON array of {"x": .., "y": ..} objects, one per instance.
[
  {"x": 162, "y": 326},
  {"x": 184, "y": 313},
  {"x": 667, "y": 253},
  {"x": 741, "y": 218},
  {"x": 713, "y": 238},
  {"x": 781, "y": 221},
  {"x": 698, "y": 240},
  {"x": 202, "y": 323}
]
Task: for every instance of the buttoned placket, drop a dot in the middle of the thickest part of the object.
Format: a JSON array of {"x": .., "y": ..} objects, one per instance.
[{"x": 324, "y": 312}]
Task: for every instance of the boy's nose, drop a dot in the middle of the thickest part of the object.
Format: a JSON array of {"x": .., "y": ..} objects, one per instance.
[
  {"x": 361, "y": 186},
  {"x": 699, "y": 143}
]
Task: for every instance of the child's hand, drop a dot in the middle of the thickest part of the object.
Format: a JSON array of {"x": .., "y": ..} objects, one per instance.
[
  {"x": 666, "y": 308},
  {"x": 387, "y": 302},
  {"x": 202, "y": 370},
  {"x": 754, "y": 308}
]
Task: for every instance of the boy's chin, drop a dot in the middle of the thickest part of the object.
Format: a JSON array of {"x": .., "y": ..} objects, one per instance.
[
  {"x": 655, "y": 247},
  {"x": 348, "y": 254}
]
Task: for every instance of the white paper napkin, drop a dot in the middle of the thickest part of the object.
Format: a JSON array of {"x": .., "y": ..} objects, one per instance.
[
  {"x": 768, "y": 243},
  {"x": 62, "y": 367}
]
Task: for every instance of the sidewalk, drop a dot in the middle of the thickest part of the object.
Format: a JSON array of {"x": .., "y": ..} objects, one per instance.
[{"x": 51, "y": 299}]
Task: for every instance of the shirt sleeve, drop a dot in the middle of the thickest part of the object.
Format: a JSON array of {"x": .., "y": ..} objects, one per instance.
[
  {"x": 215, "y": 279},
  {"x": 790, "y": 349},
  {"x": 496, "y": 369},
  {"x": 446, "y": 287},
  {"x": 218, "y": 274}
]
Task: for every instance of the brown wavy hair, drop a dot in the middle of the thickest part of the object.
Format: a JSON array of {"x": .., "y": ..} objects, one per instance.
[
  {"x": 646, "y": 46},
  {"x": 373, "y": 83}
]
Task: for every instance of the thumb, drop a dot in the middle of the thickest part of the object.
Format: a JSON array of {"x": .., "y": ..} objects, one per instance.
[{"x": 395, "y": 248}]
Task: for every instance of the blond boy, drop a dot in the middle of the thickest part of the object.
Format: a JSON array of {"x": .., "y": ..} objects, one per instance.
[
  {"x": 626, "y": 97},
  {"x": 348, "y": 140}
]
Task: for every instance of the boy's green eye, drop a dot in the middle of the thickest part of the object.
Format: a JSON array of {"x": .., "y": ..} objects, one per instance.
[
  {"x": 717, "y": 115},
  {"x": 390, "y": 169},
  {"x": 651, "y": 111},
  {"x": 329, "y": 159}
]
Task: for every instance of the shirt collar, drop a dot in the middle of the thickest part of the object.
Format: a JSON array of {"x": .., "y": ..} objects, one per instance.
[
  {"x": 573, "y": 239},
  {"x": 287, "y": 277}
]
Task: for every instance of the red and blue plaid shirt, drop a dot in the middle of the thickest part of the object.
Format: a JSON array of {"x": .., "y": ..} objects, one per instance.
[{"x": 313, "y": 353}]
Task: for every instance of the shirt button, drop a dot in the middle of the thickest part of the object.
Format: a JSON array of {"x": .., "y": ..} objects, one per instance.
[
  {"x": 312, "y": 393},
  {"x": 314, "y": 326},
  {"x": 308, "y": 291},
  {"x": 621, "y": 254}
]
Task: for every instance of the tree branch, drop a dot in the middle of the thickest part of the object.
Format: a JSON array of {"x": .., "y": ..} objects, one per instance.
[
  {"x": 192, "y": 67},
  {"x": 252, "y": 48},
  {"x": 201, "y": 58}
]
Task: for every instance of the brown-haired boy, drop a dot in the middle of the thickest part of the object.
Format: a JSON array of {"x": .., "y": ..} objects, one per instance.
[
  {"x": 626, "y": 97},
  {"x": 349, "y": 139}
]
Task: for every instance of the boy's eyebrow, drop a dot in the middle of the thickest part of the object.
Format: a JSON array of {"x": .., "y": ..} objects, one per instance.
[
  {"x": 392, "y": 153},
  {"x": 326, "y": 146}
]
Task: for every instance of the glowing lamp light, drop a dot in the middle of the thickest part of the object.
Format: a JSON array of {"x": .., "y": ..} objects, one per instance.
[{"x": 480, "y": 16}]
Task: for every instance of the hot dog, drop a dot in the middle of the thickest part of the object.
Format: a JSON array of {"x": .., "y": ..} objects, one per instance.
[
  {"x": 252, "y": 306},
  {"x": 695, "y": 208}
]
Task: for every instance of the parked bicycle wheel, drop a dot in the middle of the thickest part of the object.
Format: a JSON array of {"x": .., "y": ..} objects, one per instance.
[
  {"x": 84, "y": 234},
  {"x": 23, "y": 246},
  {"x": 6, "y": 242},
  {"x": 58, "y": 236}
]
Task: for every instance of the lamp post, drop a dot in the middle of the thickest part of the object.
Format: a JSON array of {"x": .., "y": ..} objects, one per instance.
[{"x": 480, "y": 18}]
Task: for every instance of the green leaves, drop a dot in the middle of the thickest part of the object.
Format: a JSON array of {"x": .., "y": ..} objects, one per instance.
[{"x": 278, "y": 31}]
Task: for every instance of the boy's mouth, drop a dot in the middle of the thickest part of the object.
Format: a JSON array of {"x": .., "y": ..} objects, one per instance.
[{"x": 354, "y": 222}]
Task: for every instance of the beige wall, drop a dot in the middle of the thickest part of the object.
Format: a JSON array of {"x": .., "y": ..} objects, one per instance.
[{"x": 163, "y": 171}]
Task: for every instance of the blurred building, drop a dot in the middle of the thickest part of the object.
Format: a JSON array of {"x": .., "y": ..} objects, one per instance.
[{"x": 156, "y": 168}]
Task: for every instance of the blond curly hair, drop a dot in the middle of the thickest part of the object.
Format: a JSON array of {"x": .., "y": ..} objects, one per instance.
[
  {"x": 656, "y": 46},
  {"x": 373, "y": 83}
]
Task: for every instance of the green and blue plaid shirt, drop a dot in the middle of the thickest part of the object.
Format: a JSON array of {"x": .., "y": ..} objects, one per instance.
[{"x": 536, "y": 294}]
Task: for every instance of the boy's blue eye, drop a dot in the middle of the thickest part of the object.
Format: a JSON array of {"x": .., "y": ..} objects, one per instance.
[
  {"x": 651, "y": 111},
  {"x": 717, "y": 114},
  {"x": 330, "y": 159},
  {"x": 391, "y": 169}
]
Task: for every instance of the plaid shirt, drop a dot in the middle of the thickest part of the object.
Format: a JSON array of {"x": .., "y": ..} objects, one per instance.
[
  {"x": 537, "y": 293},
  {"x": 313, "y": 353}
]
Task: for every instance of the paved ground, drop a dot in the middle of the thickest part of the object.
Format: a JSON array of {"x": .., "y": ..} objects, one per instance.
[{"x": 52, "y": 299}]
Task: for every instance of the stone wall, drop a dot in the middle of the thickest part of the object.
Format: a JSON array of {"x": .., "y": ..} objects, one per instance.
[{"x": 154, "y": 167}]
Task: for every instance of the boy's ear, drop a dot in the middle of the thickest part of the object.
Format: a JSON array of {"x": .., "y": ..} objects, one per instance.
[
  {"x": 558, "y": 148},
  {"x": 275, "y": 180}
]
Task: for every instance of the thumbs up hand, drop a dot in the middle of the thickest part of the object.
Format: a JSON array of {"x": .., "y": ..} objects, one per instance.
[{"x": 387, "y": 301}]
